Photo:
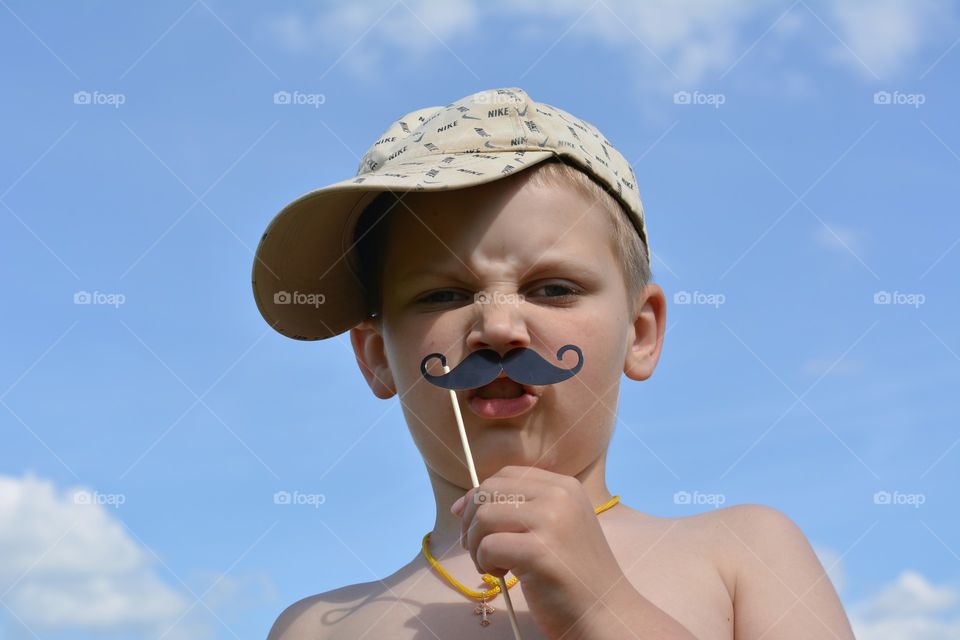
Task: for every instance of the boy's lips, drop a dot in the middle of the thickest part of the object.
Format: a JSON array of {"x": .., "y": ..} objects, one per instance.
[
  {"x": 502, "y": 408},
  {"x": 503, "y": 375}
]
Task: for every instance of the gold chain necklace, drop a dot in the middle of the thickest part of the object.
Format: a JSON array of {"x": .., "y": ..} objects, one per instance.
[{"x": 483, "y": 609}]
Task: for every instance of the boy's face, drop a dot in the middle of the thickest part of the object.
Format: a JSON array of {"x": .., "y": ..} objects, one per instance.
[{"x": 549, "y": 244}]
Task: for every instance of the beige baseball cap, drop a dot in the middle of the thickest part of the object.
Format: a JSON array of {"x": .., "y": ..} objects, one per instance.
[{"x": 306, "y": 280}]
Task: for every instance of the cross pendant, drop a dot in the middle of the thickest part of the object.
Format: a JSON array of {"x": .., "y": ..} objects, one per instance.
[{"x": 482, "y": 610}]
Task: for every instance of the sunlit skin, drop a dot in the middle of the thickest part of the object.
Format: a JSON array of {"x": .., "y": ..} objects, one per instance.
[{"x": 552, "y": 246}]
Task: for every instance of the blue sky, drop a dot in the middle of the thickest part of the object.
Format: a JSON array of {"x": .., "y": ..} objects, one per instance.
[{"x": 810, "y": 221}]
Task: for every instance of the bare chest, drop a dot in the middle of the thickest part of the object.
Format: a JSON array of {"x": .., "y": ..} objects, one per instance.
[{"x": 671, "y": 571}]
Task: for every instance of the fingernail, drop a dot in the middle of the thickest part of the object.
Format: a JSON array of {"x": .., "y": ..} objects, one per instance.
[{"x": 455, "y": 507}]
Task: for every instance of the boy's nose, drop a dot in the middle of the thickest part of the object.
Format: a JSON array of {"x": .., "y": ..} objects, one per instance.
[{"x": 499, "y": 325}]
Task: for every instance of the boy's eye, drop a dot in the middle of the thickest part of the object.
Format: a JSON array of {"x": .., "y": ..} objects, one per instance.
[
  {"x": 559, "y": 291},
  {"x": 439, "y": 297},
  {"x": 554, "y": 291}
]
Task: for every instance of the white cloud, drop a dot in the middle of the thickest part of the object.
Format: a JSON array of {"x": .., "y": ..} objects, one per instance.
[
  {"x": 831, "y": 562},
  {"x": 685, "y": 40},
  {"x": 66, "y": 562},
  {"x": 416, "y": 27},
  {"x": 910, "y": 607},
  {"x": 884, "y": 34},
  {"x": 674, "y": 37},
  {"x": 792, "y": 23},
  {"x": 689, "y": 39},
  {"x": 839, "y": 239}
]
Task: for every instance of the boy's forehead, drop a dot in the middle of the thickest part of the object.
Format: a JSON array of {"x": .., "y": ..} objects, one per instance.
[{"x": 543, "y": 223}]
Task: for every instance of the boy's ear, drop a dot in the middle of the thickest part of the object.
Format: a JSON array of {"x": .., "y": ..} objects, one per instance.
[
  {"x": 368, "y": 346},
  {"x": 645, "y": 338}
]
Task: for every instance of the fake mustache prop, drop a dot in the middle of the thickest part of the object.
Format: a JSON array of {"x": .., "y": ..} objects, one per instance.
[{"x": 522, "y": 365}]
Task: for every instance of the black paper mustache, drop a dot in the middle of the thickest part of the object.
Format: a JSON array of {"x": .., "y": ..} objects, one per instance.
[{"x": 522, "y": 365}]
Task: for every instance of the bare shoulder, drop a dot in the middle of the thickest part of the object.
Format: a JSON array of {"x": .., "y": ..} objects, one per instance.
[
  {"x": 780, "y": 587},
  {"x": 313, "y": 617}
]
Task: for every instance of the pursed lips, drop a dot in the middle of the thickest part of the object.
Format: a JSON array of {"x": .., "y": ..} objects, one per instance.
[{"x": 503, "y": 374}]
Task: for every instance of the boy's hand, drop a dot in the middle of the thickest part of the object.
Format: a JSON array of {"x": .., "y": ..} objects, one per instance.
[{"x": 542, "y": 527}]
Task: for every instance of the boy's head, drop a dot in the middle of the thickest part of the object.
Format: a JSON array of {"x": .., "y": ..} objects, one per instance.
[
  {"x": 536, "y": 260},
  {"x": 478, "y": 238}
]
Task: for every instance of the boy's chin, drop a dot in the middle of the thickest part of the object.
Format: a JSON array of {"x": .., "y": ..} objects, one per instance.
[{"x": 502, "y": 450}]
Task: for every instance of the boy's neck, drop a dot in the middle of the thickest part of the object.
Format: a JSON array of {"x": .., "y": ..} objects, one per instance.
[{"x": 445, "y": 536}]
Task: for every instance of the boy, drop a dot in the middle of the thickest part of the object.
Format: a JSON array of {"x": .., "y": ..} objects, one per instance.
[{"x": 497, "y": 222}]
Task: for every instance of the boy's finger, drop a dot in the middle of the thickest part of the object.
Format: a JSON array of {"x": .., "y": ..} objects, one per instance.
[{"x": 457, "y": 507}]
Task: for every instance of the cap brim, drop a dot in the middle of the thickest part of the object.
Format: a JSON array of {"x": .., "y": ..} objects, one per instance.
[{"x": 305, "y": 281}]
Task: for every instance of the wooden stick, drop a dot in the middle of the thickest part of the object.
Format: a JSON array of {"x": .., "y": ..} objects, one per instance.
[{"x": 476, "y": 483}]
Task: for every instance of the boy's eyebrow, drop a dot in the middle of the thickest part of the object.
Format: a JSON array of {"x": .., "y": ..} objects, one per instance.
[{"x": 544, "y": 263}]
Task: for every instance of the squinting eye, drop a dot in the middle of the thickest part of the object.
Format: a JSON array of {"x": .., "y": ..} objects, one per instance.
[
  {"x": 554, "y": 291},
  {"x": 436, "y": 297},
  {"x": 565, "y": 292}
]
